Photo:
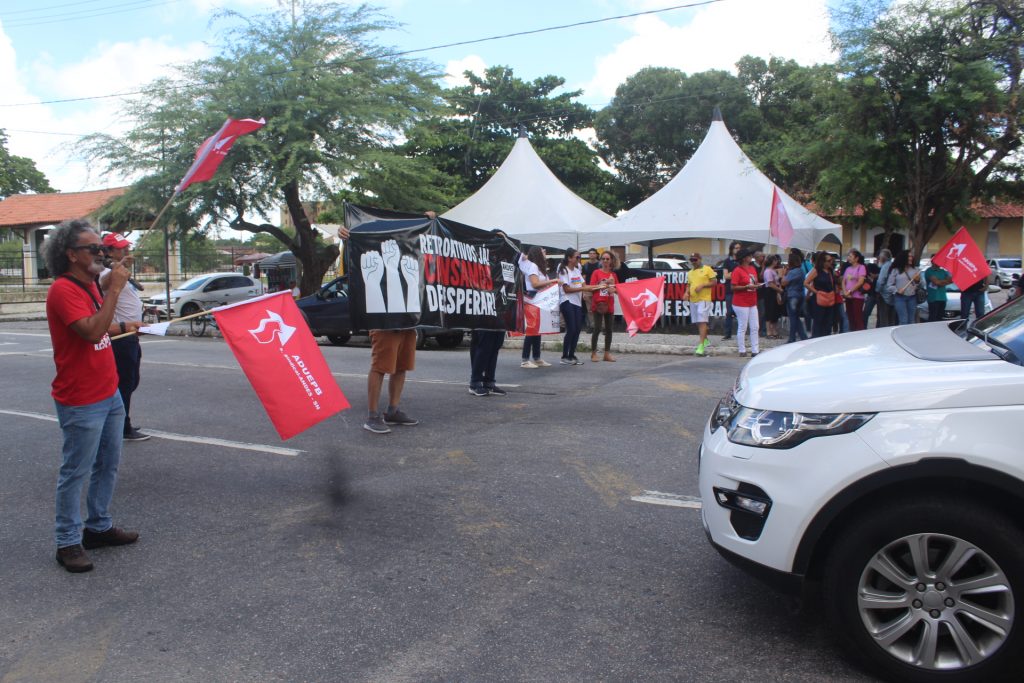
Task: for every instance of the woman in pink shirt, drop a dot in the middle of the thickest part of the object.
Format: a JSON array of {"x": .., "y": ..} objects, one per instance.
[{"x": 853, "y": 289}]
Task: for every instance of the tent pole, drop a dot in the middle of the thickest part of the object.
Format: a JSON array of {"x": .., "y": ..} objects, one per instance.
[{"x": 650, "y": 254}]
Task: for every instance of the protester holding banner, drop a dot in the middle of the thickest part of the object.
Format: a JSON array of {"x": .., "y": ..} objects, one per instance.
[
  {"x": 588, "y": 269},
  {"x": 572, "y": 287},
  {"x": 534, "y": 264},
  {"x": 603, "y": 306},
  {"x": 744, "y": 301},
  {"x": 904, "y": 279}
]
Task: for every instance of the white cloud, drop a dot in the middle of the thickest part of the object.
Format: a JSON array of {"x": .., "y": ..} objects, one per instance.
[
  {"x": 109, "y": 68},
  {"x": 455, "y": 69},
  {"x": 715, "y": 38}
]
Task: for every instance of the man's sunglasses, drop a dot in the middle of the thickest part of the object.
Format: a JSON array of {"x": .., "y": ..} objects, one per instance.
[{"x": 94, "y": 249}]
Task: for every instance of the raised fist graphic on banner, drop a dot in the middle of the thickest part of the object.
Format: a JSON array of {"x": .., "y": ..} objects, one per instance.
[
  {"x": 392, "y": 256},
  {"x": 411, "y": 273},
  {"x": 372, "y": 266}
]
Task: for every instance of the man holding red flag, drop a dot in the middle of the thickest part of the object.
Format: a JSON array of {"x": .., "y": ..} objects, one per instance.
[
  {"x": 966, "y": 265},
  {"x": 642, "y": 302}
]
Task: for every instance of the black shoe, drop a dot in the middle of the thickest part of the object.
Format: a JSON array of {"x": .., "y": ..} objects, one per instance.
[
  {"x": 496, "y": 391},
  {"x": 112, "y": 536},
  {"x": 478, "y": 391},
  {"x": 134, "y": 434},
  {"x": 727, "y": 337},
  {"x": 74, "y": 559}
]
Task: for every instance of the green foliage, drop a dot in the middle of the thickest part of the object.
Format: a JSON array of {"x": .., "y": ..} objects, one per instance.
[
  {"x": 659, "y": 117},
  {"x": 930, "y": 111},
  {"x": 19, "y": 175},
  {"x": 460, "y": 149},
  {"x": 333, "y": 99}
]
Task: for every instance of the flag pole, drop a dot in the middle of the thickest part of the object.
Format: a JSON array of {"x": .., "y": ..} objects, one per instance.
[{"x": 176, "y": 320}]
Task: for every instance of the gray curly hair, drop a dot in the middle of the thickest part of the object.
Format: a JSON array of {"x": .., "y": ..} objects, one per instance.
[{"x": 60, "y": 239}]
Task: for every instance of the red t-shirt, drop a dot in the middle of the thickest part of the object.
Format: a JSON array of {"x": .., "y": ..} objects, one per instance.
[
  {"x": 744, "y": 275},
  {"x": 86, "y": 372},
  {"x": 600, "y": 295}
]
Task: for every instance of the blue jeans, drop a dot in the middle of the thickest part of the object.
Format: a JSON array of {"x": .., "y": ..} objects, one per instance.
[
  {"x": 531, "y": 344},
  {"x": 906, "y": 307},
  {"x": 794, "y": 309},
  {"x": 968, "y": 299},
  {"x": 92, "y": 446},
  {"x": 574, "y": 317}
]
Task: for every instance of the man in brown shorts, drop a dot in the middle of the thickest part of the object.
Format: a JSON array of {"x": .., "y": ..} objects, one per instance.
[{"x": 393, "y": 353}]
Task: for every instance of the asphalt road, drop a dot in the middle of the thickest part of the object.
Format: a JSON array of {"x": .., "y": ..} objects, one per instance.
[{"x": 496, "y": 541}]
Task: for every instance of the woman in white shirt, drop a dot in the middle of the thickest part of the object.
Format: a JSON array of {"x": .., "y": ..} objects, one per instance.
[
  {"x": 534, "y": 266},
  {"x": 570, "y": 302}
]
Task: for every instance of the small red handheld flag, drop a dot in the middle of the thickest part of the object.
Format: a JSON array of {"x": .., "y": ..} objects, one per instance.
[
  {"x": 963, "y": 259},
  {"x": 779, "y": 226},
  {"x": 215, "y": 148},
  {"x": 642, "y": 303},
  {"x": 277, "y": 352}
]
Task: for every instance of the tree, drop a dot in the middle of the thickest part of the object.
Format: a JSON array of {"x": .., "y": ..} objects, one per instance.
[
  {"x": 333, "y": 100},
  {"x": 659, "y": 117},
  {"x": 930, "y": 110},
  {"x": 470, "y": 138},
  {"x": 19, "y": 174}
]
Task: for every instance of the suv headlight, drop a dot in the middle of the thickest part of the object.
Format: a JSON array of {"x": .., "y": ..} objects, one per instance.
[{"x": 782, "y": 429}]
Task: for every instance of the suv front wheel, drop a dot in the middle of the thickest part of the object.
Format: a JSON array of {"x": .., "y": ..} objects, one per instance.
[{"x": 929, "y": 590}]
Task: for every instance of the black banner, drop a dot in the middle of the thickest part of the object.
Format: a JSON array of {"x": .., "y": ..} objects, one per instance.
[{"x": 407, "y": 270}]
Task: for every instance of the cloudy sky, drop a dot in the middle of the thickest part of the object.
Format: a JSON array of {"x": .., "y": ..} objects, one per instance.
[{"x": 87, "y": 51}]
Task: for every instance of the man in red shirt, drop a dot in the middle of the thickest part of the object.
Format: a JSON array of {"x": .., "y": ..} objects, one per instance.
[{"x": 89, "y": 407}]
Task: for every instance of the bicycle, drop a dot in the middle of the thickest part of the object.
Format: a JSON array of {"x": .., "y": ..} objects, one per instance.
[{"x": 197, "y": 325}]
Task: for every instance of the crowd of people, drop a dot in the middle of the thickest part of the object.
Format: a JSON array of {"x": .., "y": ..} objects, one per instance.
[{"x": 818, "y": 296}]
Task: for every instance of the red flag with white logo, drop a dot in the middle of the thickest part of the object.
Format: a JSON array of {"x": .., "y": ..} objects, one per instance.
[
  {"x": 641, "y": 303},
  {"x": 779, "y": 226},
  {"x": 277, "y": 352},
  {"x": 963, "y": 259},
  {"x": 215, "y": 148}
]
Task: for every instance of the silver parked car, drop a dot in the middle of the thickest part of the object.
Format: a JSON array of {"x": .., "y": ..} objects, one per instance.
[
  {"x": 207, "y": 291},
  {"x": 1003, "y": 270}
]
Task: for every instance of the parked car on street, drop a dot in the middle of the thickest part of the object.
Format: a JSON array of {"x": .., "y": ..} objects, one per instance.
[
  {"x": 953, "y": 303},
  {"x": 207, "y": 291},
  {"x": 327, "y": 313},
  {"x": 1003, "y": 270},
  {"x": 658, "y": 263},
  {"x": 898, "y": 497}
]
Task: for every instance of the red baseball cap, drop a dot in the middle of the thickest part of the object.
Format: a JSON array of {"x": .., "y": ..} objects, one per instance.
[{"x": 112, "y": 239}]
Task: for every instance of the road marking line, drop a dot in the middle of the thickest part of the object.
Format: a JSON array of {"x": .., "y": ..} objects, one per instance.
[
  {"x": 208, "y": 440},
  {"x": 26, "y": 334},
  {"x": 349, "y": 375},
  {"x": 668, "y": 499},
  {"x": 8, "y": 343}
]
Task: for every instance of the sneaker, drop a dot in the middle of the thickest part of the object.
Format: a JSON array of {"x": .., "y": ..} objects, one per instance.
[
  {"x": 528, "y": 364},
  {"x": 397, "y": 417},
  {"x": 753, "y": 353},
  {"x": 375, "y": 424},
  {"x": 478, "y": 391},
  {"x": 566, "y": 361},
  {"x": 74, "y": 559},
  {"x": 496, "y": 391},
  {"x": 576, "y": 361},
  {"x": 540, "y": 363},
  {"x": 112, "y": 536},
  {"x": 699, "y": 351},
  {"x": 134, "y": 434}
]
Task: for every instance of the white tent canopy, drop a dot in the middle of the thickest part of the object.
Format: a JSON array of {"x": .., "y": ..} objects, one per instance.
[
  {"x": 719, "y": 194},
  {"x": 525, "y": 200}
]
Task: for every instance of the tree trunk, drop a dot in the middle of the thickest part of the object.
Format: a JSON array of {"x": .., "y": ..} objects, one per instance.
[{"x": 314, "y": 256}]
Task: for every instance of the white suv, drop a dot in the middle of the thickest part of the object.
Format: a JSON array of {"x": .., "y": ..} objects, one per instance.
[
  {"x": 207, "y": 291},
  {"x": 898, "y": 490}
]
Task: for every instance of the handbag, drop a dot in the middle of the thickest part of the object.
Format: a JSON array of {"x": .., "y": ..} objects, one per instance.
[
  {"x": 922, "y": 295},
  {"x": 825, "y": 299}
]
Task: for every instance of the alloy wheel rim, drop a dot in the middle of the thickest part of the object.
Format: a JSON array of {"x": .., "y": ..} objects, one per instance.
[{"x": 936, "y": 602}]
